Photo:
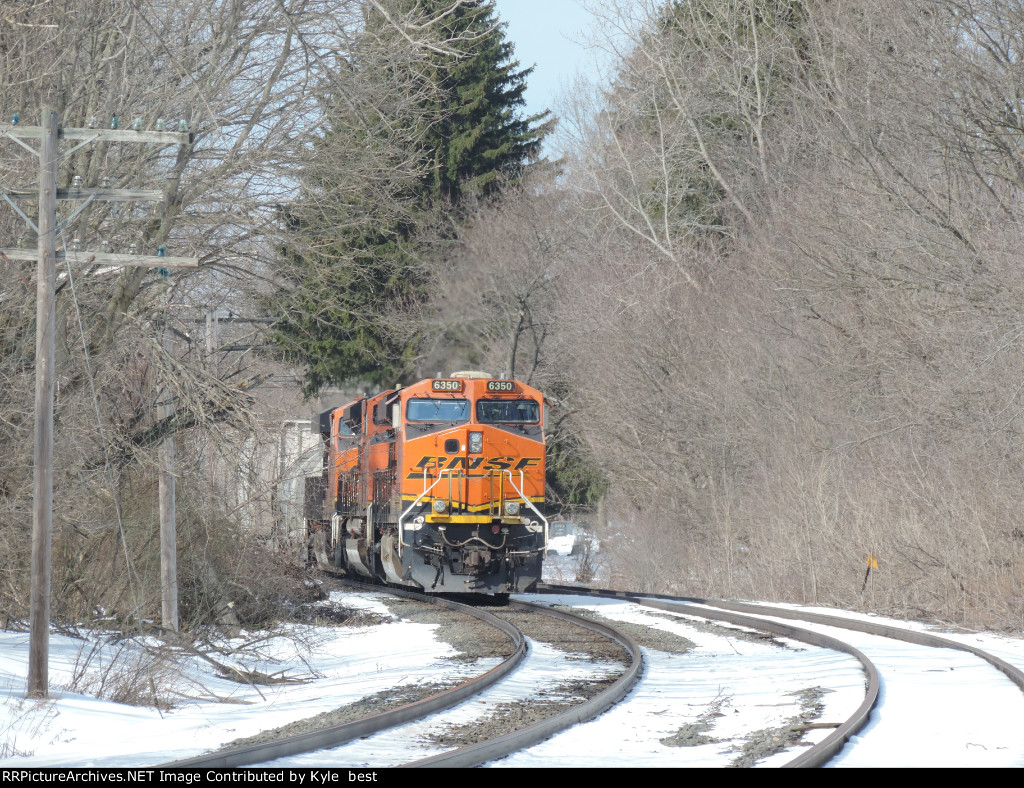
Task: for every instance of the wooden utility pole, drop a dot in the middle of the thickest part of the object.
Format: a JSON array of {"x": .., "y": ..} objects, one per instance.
[
  {"x": 168, "y": 519},
  {"x": 49, "y": 133},
  {"x": 46, "y": 350}
]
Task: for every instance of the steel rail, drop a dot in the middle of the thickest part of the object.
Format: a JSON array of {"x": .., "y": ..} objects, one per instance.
[
  {"x": 1016, "y": 675},
  {"x": 502, "y": 746},
  {"x": 818, "y": 754},
  {"x": 335, "y": 735}
]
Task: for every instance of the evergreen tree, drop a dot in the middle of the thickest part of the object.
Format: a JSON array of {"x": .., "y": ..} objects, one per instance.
[
  {"x": 406, "y": 143},
  {"x": 481, "y": 133}
]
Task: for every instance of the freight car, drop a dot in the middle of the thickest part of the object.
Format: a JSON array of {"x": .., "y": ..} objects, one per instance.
[{"x": 438, "y": 486}]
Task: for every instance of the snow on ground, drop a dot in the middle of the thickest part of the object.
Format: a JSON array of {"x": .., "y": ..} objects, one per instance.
[
  {"x": 77, "y": 729},
  {"x": 949, "y": 707},
  {"x": 739, "y": 686},
  {"x": 938, "y": 707},
  {"x": 924, "y": 690},
  {"x": 543, "y": 666}
]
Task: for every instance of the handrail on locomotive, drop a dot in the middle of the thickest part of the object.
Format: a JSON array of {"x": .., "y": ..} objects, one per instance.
[{"x": 501, "y": 497}]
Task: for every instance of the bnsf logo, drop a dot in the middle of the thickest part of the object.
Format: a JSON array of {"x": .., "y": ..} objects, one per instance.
[{"x": 445, "y": 463}]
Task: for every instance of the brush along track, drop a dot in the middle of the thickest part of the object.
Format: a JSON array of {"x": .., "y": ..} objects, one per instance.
[{"x": 280, "y": 746}]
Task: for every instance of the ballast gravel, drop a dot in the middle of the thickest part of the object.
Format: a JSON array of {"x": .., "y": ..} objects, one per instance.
[{"x": 472, "y": 640}]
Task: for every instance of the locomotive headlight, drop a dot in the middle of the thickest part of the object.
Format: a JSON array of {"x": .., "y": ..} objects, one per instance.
[
  {"x": 511, "y": 508},
  {"x": 476, "y": 442},
  {"x": 440, "y": 506}
]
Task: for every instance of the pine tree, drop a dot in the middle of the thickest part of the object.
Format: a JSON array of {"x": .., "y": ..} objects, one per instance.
[
  {"x": 428, "y": 129},
  {"x": 481, "y": 134}
]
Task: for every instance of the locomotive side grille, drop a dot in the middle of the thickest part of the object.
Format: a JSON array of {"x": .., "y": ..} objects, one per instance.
[
  {"x": 348, "y": 493},
  {"x": 383, "y": 487}
]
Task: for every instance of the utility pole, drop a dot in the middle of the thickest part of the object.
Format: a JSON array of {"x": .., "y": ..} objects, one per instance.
[
  {"x": 50, "y": 133},
  {"x": 168, "y": 518},
  {"x": 42, "y": 469}
]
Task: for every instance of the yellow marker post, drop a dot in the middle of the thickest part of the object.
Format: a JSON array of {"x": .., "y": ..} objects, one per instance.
[{"x": 872, "y": 564}]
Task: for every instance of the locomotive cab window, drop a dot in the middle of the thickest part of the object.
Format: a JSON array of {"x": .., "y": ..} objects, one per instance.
[
  {"x": 345, "y": 438},
  {"x": 507, "y": 411},
  {"x": 448, "y": 410}
]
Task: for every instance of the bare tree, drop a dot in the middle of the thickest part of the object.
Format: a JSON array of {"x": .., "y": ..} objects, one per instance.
[
  {"x": 495, "y": 296},
  {"x": 250, "y": 80},
  {"x": 817, "y": 374}
]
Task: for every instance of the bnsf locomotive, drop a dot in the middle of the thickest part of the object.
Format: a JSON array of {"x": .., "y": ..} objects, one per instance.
[{"x": 438, "y": 486}]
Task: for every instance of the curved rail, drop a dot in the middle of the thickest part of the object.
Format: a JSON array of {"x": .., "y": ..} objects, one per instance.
[
  {"x": 1016, "y": 675},
  {"x": 493, "y": 749},
  {"x": 336, "y": 735},
  {"x": 818, "y": 754},
  {"x": 884, "y": 630}
]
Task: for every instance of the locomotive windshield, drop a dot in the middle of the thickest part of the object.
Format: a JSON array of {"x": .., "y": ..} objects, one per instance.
[
  {"x": 424, "y": 409},
  {"x": 507, "y": 411}
]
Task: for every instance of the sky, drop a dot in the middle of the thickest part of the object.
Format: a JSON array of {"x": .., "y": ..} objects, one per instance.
[
  {"x": 547, "y": 34},
  {"x": 938, "y": 707}
]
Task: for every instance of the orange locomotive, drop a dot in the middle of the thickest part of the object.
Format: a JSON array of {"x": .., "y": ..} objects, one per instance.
[{"x": 438, "y": 486}]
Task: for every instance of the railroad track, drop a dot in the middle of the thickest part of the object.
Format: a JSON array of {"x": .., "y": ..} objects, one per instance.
[
  {"x": 737, "y": 612},
  {"x": 568, "y": 623},
  {"x": 496, "y": 747},
  {"x": 520, "y": 616},
  {"x": 754, "y": 628},
  {"x": 336, "y": 735},
  {"x": 473, "y": 754}
]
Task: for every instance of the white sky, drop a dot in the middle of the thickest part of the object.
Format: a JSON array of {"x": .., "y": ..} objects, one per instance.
[{"x": 549, "y": 35}]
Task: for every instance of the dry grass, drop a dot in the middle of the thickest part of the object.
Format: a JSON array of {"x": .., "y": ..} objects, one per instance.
[
  {"x": 29, "y": 718},
  {"x": 134, "y": 674}
]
